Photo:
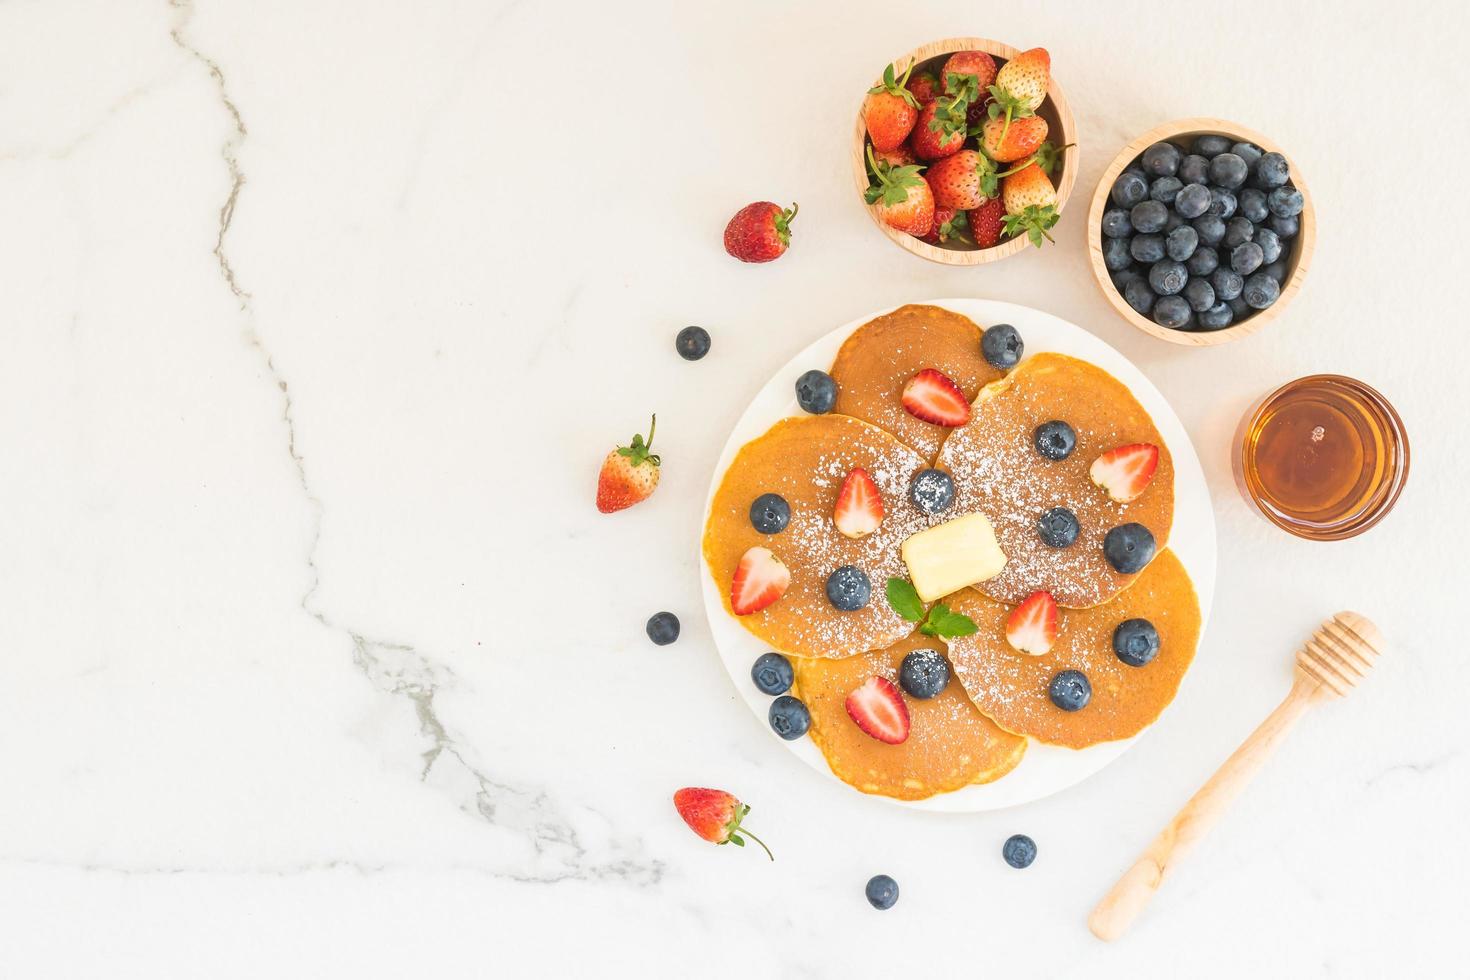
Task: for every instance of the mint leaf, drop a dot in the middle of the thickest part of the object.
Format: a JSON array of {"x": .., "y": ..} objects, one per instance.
[
  {"x": 904, "y": 599},
  {"x": 951, "y": 624}
]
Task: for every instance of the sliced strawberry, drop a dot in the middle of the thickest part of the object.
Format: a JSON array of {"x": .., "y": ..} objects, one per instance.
[
  {"x": 859, "y": 508},
  {"x": 760, "y": 579},
  {"x": 1125, "y": 472},
  {"x": 878, "y": 709},
  {"x": 1031, "y": 627},
  {"x": 931, "y": 396}
]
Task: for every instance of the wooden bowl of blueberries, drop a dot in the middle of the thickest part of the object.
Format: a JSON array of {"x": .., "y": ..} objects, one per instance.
[{"x": 1201, "y": 231}]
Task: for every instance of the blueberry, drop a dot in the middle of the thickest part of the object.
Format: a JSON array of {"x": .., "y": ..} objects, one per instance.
[
  {"x": 1246, "y": 258},
  {"x": 772, "y": 674},
  {"x": 1149, "y": 217},
  {"x": 1199, "y": 294},
  {"x": 1069, "y": 690},
  {"x": 1249, "y": 152},
  {"x": 1055, "y": 439},
  {"x": 1252, "y": 202},
  {"x": 1270, "y": 243},
  {"x": 1261, "y": 291},
  {"x": 1239, "y": 308},
  {"x": 1129, "y": 547},
  {"x": 1181, "y": 243},
  {"x": 848, "y": 588},
  {"x": 1228, "y": 171},
  {"x": 1058, "y": 527},
  {"x": 663, "y": 628},
  {"x": 1211, "y": 146},
  {"x": 1194, "y": 169},
  {"x": 1216, "y": 317},
  {"x": 1173, "y": 221},
  {"x": 1285, "y": 227},
  {"x": 1138, "y": 295},
  {"x": 924, "y": 673},
  {"x": 1285, "y": 202},
  {"x": 770, "y": 513},
  {"x": 932, "y": 491},
  {"x": 1147, "y": 248},
  {"x": 1222, "y": 202},
  {"x": 1115, "y": 223},
  {"x": 1116, "y": 254},
  {"x": 1019, "y": 851},
  {"x": 1002, "y": 345},
  {"x": 1167, "y": 277},
  {"x": 1238, "y": 231},
  {"x": 789, "y": 717},
  {"x": 1171, "y": 312},
  {"x": 1129, "y": 189},
  {"x": 1276, "y": 270},
  {"x": 1136, "y": 642},
  {"x": 1227, "y": 282},
  {"x": 882, "y": 892},
  {"x": 692, "y": 343},
  {"x": 1204, "y": 261},
  {"x": 1165, "y": 189},
  {"x": 1161, "y": 159},
  {"x": 816, "y": 392},
  {"x": 1122, "y": 279},
  {"x": 1211, "y": 228},
  {"x": 1271, "y": 171},
  {"x": 1192, "y": 201}
]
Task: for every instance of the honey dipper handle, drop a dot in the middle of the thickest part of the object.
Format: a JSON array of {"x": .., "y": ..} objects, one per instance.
[{"x": 1117, "y": 910}]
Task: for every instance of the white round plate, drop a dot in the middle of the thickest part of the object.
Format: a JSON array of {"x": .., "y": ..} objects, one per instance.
[{"x": 1045, "y": 769}]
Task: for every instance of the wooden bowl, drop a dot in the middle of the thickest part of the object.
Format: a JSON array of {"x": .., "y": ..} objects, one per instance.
[
  {"x": 1298, "y": 256},
  {"x": 1061, "y": 130}
]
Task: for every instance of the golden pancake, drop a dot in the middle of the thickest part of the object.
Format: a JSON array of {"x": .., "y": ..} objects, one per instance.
[
  {"x": 1011, "y": 687},
  {"x": 998, "y": 472},
  {"x": 950, "y": 744},
  {"x": 883, "y": 354},
  {"x": 805, "y": 460}
]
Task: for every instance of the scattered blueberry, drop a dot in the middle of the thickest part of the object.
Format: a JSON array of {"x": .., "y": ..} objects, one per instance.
[
  {"x": 1270, "y": 243},
  {"x": 1167, "y": 277},
  {"x": 1211, "y": 228},
  {"x": 1210, "y": 145},
  {"x": 1116, "y": 254},
  {"x": 1058, "y": 528},
  {"x": 1193, "y": 200},
  {"x": 1246, "y": 258},
  {"x": 1194, "y": 169},
  {"x": 1204, "y": 261},
  {"x": 848, "y": 588},
  {"x": 882, "y": 892},
  {"x": 1128, "y": 548},
  {"x": 772, "y": 674},
  {"x": 924, "y": 673},
  {"x": 1147, "y": 248},
  {"x": 1271, "y": 171},
  {"x": 1228, "y": 171},
  {"x": 1217, "y": 317},
  {"x": 692, "y": 343},
  {"x": 1129, "y": 189},
  {"x": 1276, "y": 270},
  {"x": 789, "y": 717},
  {"x": 1149, "y": 216},
  {"x": 1019, "y": 851},
  {"x": 1222, "y": 202},
  {"x": 1285, "y": 227},
  {"x": 1165, "y": 189},
  {"x": 1238, "y": 230},
  {"x": 1199, "y": 294},
  {"x": 1002, "y": 345},
  {"x": 1261, "y": 291},
  {"x": 1252, "y": 203},
  {"x": 1136, "y": 642},
  {"x": 1115, "y": 223},
  {"x": 1171, "y": 312},
  {"x": 1161, "y": 159},
  {"x": 1069, "y": 690},
  {"x": 932, "y": 491},
  {"x": 663, "y": 628},
  {"x": 1227, "y": 283},
  {"x": 1285, "y": 202},
  {"x": 1055, "y": 439},
  {"x": 1249, "y": 152},
  {"x": 1180, "y": 243},
  {"x": 816, "y": 392},
  {"x": 1138, "y": 295},
  {"x": 770, "y": 513}
]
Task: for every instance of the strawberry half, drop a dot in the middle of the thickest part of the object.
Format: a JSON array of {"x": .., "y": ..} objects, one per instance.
[
  {"x": 1031, "y": 627},
  {"x": 1125, "y": 472},
  {"x": 715, "y": 815},
  {"x": 878, "y": 709},
  {"x": 760, "y": 579},
  {"x": 859, "y": 508},
  {"x": 930, "y": 395}
]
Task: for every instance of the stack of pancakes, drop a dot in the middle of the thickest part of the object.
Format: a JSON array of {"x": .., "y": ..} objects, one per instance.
[{"x": 975, "y": 731}]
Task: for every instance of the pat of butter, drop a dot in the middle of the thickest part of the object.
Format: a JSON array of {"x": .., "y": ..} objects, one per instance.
[{"x": 952, "y": 555}]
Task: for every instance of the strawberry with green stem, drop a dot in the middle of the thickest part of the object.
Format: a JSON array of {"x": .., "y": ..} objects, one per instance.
[
  {"x": 715, "y": 815},
  {"x": 629, "y": 473},
  {"x": 1031, "y": 204},
  {"x": 902, "y": 196},
  {"x": 1020, "y": 87},
  {"x": 939, "y": 620},
  {"x": 890, "y": 109},
  {"x": 944, "y": 123}
]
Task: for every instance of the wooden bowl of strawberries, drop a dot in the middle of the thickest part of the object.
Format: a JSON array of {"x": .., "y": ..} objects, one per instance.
[{"x": 965, "y": 150}]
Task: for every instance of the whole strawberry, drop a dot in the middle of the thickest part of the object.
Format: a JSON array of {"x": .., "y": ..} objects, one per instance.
[
  {"x": 901, "y": 156},
  {"x": 986, "y": 222},
  {"x": 629, "y": 474},
  {"x": 1023, "y": 138},
  {"x": 963, "y": 180},
  {"x": 925, "y": 87},
  {"x": 715, "y": 815},
  {"x": 949, "y": 225},
  {"x": 1030, "y": 202},
  {"x": 759, "y": 232},
  {"x": 1020, "y": 86},
  {"x": 977, "y": 64},
  {"x": 890, "y": 110},
  {"x": 936, "y": 133},
  {"x": 902, "y": 196}
]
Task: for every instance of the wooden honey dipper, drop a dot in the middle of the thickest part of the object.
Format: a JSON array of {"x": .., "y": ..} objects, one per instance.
[{"x": 1329, "y": 664}]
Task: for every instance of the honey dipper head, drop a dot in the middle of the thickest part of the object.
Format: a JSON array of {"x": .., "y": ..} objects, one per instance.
[{"x": 1341, "y": 652}]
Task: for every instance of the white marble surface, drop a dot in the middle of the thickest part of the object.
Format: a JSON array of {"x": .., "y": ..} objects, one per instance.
[{"x": 315, "y": 658}]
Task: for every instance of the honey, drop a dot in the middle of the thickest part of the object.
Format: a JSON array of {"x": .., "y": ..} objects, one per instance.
[{"x": 1324, "y": 457}]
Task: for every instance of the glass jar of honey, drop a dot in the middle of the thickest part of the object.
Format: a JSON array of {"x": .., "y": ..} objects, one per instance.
[{"x": 1324, "y": 457}]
